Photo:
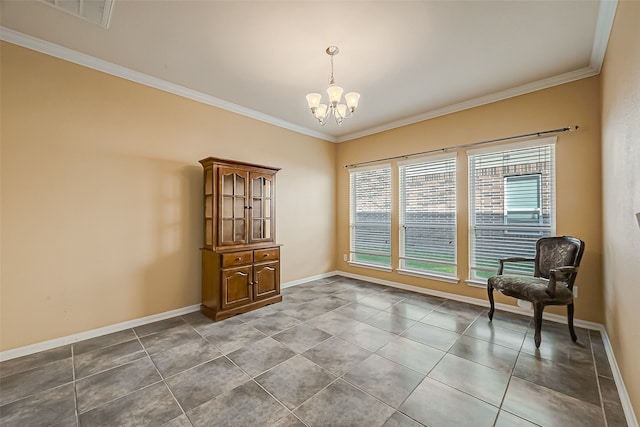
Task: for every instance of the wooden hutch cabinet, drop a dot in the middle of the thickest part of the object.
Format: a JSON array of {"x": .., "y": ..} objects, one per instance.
[{"x": 240, "y": 259}]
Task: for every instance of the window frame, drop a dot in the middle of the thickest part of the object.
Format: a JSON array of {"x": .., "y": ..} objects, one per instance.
[
  {"x": 531, "y": 232},
  {"x": 353, "y": 223},
  {"x": 439, "y": 160}
]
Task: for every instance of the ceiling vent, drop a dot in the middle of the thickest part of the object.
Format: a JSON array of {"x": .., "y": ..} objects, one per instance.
[{"x": 96, "y": 11}]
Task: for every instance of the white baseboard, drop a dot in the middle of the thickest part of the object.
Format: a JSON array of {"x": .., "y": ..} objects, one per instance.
[
  {"x": 617, "y": 376},
  {"x": 308, "y": 279},
  {"x": 625, "y": 401},
  {"x": 69, "y": 339},
  {"x": 476, "y": 301}
]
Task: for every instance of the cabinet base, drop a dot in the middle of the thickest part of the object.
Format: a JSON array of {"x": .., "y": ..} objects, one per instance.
[{"x": 216, "y": 315}]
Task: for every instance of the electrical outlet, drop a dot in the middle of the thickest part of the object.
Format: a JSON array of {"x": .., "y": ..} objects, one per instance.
[
  {"x": 575, "y": 292},
  {"x": 525, "y": 305},
  {"x": 344, "y": 257}
]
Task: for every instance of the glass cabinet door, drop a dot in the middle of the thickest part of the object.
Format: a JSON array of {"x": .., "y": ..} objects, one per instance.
[
  {"x": 233, "y": 206},
  {"x": 261, "y": 207}
]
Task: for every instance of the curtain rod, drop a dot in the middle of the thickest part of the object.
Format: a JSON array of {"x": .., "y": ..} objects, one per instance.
[{"x": 472, "y": 144}]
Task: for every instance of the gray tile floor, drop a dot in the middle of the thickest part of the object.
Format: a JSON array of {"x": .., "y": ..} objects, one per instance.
[{"x": 335, "y": 352}]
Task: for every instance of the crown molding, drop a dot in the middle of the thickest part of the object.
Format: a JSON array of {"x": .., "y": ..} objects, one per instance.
[
  {"x": 604, "y": 23},
  {"x": 476, "y": 102},
  {"x": 92, "y": 62},
  {"x": 606, "y": 15}
]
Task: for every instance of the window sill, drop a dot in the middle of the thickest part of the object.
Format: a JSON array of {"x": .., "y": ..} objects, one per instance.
[
  {"x": 425, "y": 275},
  {"x": 476, "y": 283},
  {"x": 371, "y": 266}
]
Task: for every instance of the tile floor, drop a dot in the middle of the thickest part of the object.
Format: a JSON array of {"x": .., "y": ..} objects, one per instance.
[{"x": 335, "y": 352}]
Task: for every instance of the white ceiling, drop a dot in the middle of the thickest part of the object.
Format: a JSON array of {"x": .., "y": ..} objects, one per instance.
[{"x": 409, "y": 60}]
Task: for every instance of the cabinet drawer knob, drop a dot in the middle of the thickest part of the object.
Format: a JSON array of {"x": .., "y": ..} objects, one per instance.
[
  {"x": 239, "y": 258},
  {"x": 265, "y": 255}
]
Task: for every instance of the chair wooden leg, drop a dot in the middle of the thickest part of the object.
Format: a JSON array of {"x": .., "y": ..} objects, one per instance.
[
  {"x": 493, "y": 308},
  {"x": 574, "y": 337},
  {"x": 537, "y": 317}
]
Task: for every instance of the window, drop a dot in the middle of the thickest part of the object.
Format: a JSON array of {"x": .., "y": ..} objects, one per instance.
[
  {"x": 522, "y": 199},
  {"x": 370, "y": 217},
  {"x": 428, "y": 216},
  {"x": 511, "y": 204}
]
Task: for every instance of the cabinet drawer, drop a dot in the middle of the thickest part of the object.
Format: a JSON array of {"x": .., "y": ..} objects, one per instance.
[
  {"x": 237, "y": 258},
  {"x": 263, "y": 255}
]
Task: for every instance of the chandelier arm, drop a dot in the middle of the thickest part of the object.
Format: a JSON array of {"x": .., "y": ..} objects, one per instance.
[{"x": 323, "y": 120}]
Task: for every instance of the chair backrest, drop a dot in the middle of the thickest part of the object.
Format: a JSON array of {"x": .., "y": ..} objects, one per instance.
[{"x": 553, "y": 252}]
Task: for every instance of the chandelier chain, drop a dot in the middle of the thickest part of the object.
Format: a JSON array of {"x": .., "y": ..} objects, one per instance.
[{"x": 331, "y": 79}]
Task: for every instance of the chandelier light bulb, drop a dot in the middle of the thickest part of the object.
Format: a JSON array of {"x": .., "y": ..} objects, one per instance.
[
  {"x": 352, "y": 99},
  {"x": 313, "y": 99},
  {"x": 334, "y": 107},
  {"x": 335, "y": 94},
  {"x": 321, "y": 111}
]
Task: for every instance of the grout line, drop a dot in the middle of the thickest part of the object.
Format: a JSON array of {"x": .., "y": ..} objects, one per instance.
[
  {"x": 467, "y": 393},
  {"x": 278, "y": 400},
  {"x": 252, "y": 378},
  {"x": 162, "y": 379},
  {"x": 113, "y": 367},
  {"x": 595, "y": 369},
  {"x": 123, "y": 396},
  {"x": 131, "y": 392},
  {"x": 504, "y": 395},
  {"x": 75, "y": 393}
]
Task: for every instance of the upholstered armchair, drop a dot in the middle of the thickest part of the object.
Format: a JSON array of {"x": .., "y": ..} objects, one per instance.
[{"x": 555, "y": 269}]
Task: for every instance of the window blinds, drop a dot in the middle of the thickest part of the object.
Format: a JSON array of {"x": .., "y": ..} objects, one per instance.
[
  {"x": 428, "y": 216},
  {"x": 370, "y": 216},
  {"x": 511, "y": 205}
]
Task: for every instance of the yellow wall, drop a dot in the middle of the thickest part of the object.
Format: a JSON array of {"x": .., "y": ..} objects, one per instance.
[
  {"x": 101, "y": 196},
  {"x": 101, "y": 191},
  {"x": 578, "y": 177},
  {"x": 621, "y": 190}
]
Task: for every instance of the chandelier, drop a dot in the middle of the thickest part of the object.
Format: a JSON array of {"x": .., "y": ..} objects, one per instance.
[{"x": 334, "y": 107}]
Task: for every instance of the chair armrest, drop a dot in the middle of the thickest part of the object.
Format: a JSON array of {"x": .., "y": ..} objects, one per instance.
[
  {"x": 512, "y": 259},
  {"x": 560, "y": 271}
]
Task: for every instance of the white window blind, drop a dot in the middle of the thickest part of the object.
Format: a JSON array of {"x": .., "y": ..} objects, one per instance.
[
  {"x": 428, "y": 216},
  {"x": 370, "y": 216},
  {"x": 511, "y": 204}
]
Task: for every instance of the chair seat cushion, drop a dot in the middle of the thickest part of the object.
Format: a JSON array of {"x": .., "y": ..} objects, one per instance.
[{"x": 529, "y": 288}]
